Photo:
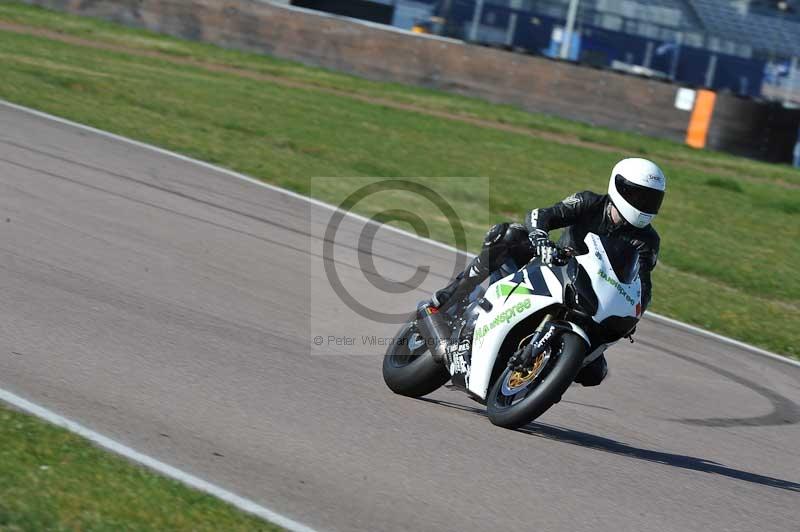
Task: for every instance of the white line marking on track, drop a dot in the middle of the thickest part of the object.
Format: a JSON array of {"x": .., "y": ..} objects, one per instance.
[
  {"x": 222, "y": 170},
  {"x": 167, "y": 470},
  {"x": 195, "y": 482},
  {"x": 242, "y": 503},
  {"x": 237, "y": 175},
  {"x": 724, "y": 339}
]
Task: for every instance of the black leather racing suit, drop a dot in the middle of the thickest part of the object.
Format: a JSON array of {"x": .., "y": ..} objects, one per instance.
[
  {"x": 586, "y": 212},
  {"x": 578, "y": 214}
]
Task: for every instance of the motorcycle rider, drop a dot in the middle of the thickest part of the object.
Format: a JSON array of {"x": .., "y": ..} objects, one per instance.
[{"x": 635, "y": 192}]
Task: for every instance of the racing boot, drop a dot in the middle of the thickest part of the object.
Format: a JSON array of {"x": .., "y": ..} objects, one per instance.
[
  {"x": 594, "y": 373},
  {"x": 463, "y": 285}
]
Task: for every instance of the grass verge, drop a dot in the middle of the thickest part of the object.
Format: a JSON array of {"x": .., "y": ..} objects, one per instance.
[
  {"x": 51, "y": 479},
  {"x": 729, "y": 225}
]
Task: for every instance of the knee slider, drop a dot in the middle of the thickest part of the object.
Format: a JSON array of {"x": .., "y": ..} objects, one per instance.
[
  {"x": 499, "y": 241},
  {"x": 515, "y": 234}
]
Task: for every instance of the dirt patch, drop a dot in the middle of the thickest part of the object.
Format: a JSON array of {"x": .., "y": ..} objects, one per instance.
[
  {"x": 211, "y": 66},
  {"x": 219, "y": 67}
]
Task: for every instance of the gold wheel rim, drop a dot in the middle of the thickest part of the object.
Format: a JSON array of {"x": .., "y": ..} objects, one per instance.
[{"x": 518, "y": 379}]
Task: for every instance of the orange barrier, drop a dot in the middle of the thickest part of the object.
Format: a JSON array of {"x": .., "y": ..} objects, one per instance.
[{"x": 697, "y": 132}]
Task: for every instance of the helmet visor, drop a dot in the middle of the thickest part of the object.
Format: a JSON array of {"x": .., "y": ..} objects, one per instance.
[{"x": 645, "y": 199}]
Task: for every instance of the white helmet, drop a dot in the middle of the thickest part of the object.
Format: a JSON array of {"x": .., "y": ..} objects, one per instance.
[{"x": 637, "y": 188}]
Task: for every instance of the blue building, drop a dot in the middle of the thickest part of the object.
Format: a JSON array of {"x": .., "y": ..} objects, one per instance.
[{"x": 746, "y": 47}]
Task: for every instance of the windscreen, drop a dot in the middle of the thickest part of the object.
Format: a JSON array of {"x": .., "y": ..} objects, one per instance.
[{"x": 624, "y": 258}]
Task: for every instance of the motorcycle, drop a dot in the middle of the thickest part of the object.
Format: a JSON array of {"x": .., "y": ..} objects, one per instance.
[{"x": 517, "y": 345}]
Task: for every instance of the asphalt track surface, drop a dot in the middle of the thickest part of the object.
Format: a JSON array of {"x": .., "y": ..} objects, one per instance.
[{"x": 173, "y": 308}]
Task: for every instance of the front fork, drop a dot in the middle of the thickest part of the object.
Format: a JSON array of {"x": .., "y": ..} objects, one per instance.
[
  {"x": 540, "y": 340},
  {"x": 524, "y": 357}
]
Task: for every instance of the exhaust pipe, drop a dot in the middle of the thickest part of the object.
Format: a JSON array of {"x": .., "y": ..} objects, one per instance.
[{"x": 434, "y": 330}]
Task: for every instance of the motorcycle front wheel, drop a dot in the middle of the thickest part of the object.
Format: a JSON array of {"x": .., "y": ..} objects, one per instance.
[
  {"x": 517, "y": 398},
  {"x": 408, "y": 366}
]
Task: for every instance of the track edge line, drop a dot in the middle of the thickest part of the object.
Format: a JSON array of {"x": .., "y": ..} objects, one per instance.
[
  {"x": 153, "y": 464},
  {"x": 658, "y": 317}
]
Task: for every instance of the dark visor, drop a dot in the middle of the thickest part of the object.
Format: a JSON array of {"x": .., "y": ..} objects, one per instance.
[{"x": 645, "y": 199}]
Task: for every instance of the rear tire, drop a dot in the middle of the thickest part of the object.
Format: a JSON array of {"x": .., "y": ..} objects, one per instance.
[
  {"x": 543, "y": 392},
  {"x": 408, "y": 373}
]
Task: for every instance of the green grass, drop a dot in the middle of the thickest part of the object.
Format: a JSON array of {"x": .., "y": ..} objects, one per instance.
[
  {"x": 729, "y": 225},
  {"x": 725, "y": 184},
  {"x": 52, "y": 480}
]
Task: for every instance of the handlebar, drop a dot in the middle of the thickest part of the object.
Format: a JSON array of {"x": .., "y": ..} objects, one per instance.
[
  {"x": 567, "y": 252},
  {"x": 561, "y": 256}
]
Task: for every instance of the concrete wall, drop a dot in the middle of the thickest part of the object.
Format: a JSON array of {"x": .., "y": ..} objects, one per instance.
[{"x": 537, "y": 84}]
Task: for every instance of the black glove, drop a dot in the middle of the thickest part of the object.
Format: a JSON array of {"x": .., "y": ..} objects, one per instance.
[{"x": 543, "y": 247}]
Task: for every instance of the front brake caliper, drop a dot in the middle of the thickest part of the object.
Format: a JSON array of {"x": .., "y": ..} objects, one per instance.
[{"x": 523, "y": 358}]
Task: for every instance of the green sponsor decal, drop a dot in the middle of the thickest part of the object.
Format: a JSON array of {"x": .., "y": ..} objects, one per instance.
[
  {"x": 504, "y": 290},
  {"x": 504, "y": 317},
  {"x": 613, "y": 282}
]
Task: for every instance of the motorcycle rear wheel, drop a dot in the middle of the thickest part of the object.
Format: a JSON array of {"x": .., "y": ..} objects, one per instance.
[
  {"x": 541, "y": 392},
  {"x": 412, "y": 372}
]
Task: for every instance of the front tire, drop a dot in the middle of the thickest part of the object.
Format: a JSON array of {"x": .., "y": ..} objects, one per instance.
[
  {"x": 542, "y": 392},
  {"x": 410, "y": 370}
]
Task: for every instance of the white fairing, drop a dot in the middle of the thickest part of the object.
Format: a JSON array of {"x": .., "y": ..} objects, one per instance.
[
  {"x": 614, "y": 298},
  {"x": 493, "y": 326},
  {"x": 511, "y": 304}
]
